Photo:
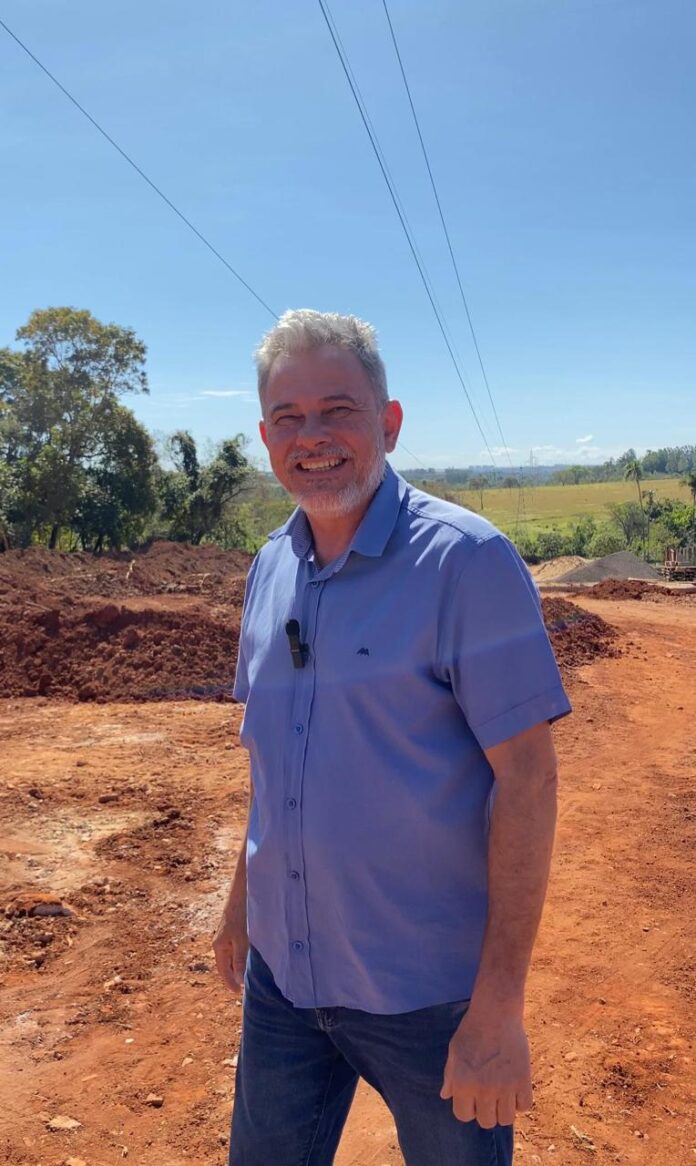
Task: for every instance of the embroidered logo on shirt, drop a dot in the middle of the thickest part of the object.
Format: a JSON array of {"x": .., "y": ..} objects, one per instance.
[{"x": 363, "y": 652}]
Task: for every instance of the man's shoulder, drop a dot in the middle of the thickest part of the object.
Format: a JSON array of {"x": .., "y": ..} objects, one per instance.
[{"x": 446, "y": 521}]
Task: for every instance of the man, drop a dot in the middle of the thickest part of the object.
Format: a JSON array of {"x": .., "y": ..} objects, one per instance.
[{"x": 384, "y": 907}]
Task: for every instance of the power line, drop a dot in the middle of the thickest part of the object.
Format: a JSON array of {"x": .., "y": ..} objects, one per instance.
[
  {"x": 150, "y": 183},
  {"x": 412, "y": 454},
  {"x": 395, "y": 199},
  {"x": 444, "y": 228},
  {"x": 199, "y": 234},
  {"x": 383, "y": 159}
]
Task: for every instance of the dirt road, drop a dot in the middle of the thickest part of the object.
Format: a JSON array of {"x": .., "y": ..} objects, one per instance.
[{"x": 130, "y": 816}]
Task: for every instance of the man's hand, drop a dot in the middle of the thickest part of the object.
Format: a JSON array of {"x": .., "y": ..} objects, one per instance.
[
  {"x": 488, "y": 1073},
  {"x": 231, "y": 945}
]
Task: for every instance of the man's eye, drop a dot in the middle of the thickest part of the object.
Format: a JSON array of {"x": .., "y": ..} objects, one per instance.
[
  {"x": 286, "y": 418},
  {"x": 339, "y": 410}
]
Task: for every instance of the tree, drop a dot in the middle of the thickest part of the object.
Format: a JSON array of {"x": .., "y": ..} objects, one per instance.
[
  {"x": 118, "y": 493},
  {"x": 551, "y": 544},
  {"x": 581, "y": 534},
  {"x": 633, "y": 471},
  {"x": 605, "y": 541},
  {"x": 629, "y": 518},
  {"x": 60, "y": 394},
  {"x": 626, "y": 458},
  {"x": 194, "y": 497},
  {"x": 511, "y": 483},
  {"x": 479, "y": 483},
  {"x": 689, "y": 482},
  {"x": 7, "y": 499}
]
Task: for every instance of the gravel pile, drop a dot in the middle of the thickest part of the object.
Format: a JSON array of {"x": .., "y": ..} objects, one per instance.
[{"x": 622, "y": 565}]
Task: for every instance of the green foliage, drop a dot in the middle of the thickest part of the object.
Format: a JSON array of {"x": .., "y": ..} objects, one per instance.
[
  {"x": 628, "y": 518},
  {"x": 677, "y": 519},
  {"x": 581, "y": 535},
  {"x": 194, "y": 498},
  {"x": 61, "y": 423},
  {"x": 573, "y": 475},
  {"x": 689, "y": 483},
  {"x": 606, "y": 540},
  {"x": 551, "y": 544},
  {"x": 118, "y": 495}
]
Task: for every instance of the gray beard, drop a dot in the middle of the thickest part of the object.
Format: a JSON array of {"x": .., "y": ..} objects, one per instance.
[{"x": 348, "y": 498}]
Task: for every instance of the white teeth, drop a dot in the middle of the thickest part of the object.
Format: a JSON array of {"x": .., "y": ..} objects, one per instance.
[{"x": 327, "y": 465}]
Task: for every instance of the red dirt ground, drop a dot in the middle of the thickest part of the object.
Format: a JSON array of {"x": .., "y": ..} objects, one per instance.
[
  {"x": 639, "y": 589},
  {"x": 130, "y": 815},
  {"x": 158, "y": 629}
]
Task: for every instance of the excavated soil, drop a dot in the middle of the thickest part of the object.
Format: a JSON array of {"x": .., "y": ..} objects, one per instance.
[
  {"x": 578, "y": 636},
  {"x": 120, "y": 824},
  {"x": 36, "y": 574},
  {"x": 163, "y": 626},
  {"x": 637, "y": 589}
]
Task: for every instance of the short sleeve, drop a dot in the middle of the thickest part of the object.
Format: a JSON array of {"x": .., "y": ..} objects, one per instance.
[
  {"x": 496, "y": 651},
  {"x": 240, "y": 690}
]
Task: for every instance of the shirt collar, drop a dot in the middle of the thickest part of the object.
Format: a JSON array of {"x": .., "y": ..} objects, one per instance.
[{"x": 374, "y": 531}]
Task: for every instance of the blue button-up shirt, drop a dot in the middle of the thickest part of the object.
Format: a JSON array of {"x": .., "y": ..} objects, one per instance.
[{"x": 368, "y": 833}]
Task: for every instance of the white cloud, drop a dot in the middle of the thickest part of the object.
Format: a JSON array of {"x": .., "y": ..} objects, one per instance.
[
  {"x": 552, "y": 454},
  {"x": 497, "y": 451},
  {"x": 245, "y": 394},
  {"x": 584, "y": 440}
]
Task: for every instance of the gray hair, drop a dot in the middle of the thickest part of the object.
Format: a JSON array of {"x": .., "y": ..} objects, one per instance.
[{"x": 302, "y": 329}]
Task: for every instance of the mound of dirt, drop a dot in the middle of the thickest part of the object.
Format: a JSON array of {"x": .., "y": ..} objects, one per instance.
[
  {"x": 161, "y": 624},
  {"x": 119, "y": 652},
  {"x": 578, "y": 637},
  {"x": 623, "y": 589},
  {"x": 164, "y": 567},
  {"x": 64, "y": 633},
  {"x": 621, "y": 565},
  {"x": 634, "y": 589},
  {"x": 553, "y": 568}
]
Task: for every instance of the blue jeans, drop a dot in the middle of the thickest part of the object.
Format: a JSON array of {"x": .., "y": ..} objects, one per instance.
[{"x": 298, "y": 1070}]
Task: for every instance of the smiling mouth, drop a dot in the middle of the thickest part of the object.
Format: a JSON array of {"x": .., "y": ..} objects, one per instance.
[{"x": 320, "y": 465}]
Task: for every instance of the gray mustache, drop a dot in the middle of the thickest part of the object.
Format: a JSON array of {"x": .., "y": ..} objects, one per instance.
[{"x": 312, "y": 457}]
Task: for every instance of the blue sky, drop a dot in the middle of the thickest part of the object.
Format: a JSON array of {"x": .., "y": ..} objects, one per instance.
[{"x": 561, "y": 133}]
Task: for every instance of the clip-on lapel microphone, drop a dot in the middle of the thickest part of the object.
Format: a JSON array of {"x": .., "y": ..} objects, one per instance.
[{"x": 297, "y": 649}]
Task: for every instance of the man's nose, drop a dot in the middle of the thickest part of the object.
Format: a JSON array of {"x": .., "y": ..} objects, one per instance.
[{"x": 313, "y": 430}]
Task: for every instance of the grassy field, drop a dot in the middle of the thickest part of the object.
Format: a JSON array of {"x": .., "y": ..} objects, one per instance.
[{"x": 543, "y": 507}]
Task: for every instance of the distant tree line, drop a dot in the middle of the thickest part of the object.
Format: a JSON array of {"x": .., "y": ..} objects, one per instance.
[
  {"x": 77, "y": 469},
  {"x": 646, "y": 529},
  {"x": 669, "y": 462}
]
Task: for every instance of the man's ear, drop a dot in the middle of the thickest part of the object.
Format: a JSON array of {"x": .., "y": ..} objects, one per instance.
[
  {"x": 263, "y": 432},
  {"x": 392, "y": 420}
]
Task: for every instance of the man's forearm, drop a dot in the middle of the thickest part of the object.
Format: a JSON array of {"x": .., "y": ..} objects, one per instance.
[
  {"x": 236, "y": 898},
  {"x": 519, "y": 858}
]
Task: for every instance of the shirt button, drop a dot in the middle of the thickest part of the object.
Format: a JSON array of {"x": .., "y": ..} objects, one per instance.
[
  {"x": 291, "y": 804},
  {"x": 298, "y": 945},
  {"x": 299, "y": 729},
  {"x": 294, "y": 874}
]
